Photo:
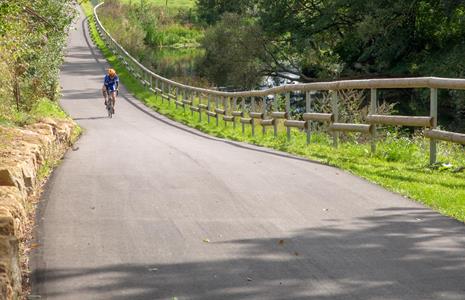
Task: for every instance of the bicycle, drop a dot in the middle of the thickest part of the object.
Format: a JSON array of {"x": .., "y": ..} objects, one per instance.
[
  {"x": 110, "y": 109},
  {"x": 109, "y": 104}
]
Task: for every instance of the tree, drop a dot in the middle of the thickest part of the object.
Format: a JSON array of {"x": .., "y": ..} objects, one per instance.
[
  {"x": 32, "y": 36},
  {"x": 233, "y": 52},
  {"x": 211, "y": 11}
]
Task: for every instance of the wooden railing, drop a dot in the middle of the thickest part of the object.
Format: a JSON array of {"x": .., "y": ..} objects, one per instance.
[{"x": 225, "y": 105}]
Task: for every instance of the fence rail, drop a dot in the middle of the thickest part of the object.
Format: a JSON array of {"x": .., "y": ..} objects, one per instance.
[{"x": 226, "y": 103}]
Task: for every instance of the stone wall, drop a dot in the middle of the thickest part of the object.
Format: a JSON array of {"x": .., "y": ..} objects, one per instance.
[{"x": 22, "y": 153}]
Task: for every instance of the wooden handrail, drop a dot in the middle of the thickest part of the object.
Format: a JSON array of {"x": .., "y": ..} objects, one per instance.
[
  {"x": 388, "y": 83},
  {"x": 433, "y": 83}
]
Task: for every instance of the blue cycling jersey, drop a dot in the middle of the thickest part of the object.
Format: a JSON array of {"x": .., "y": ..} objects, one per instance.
[{"x": 111, "y": 84}]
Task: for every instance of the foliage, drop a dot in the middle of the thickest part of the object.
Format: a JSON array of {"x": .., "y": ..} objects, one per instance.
[
  {"x": 315, "y": 40},
  {"x": 233, "y": 48},
  {"x": 142, "y": 26},
  {"x": 176, "y": 4},
  {"x": 211, "y": 11},
  {"x": 32, "y": 36},
  {"x": 399, "y": 164}
]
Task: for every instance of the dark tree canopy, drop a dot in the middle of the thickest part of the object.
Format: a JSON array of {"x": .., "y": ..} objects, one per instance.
[{"x": 346, "y": 39}]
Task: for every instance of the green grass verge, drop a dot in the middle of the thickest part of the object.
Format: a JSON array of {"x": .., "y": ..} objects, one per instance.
[
  {"x": 168, "y": 3},
  {"x": 42, "y": 109},
  {"x": 399, "y": 164}
]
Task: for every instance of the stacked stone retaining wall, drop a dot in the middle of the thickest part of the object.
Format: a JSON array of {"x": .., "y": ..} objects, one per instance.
[{"x": 23, "y": 151}]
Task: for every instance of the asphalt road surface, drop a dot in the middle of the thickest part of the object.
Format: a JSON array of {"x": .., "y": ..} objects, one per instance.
[{"x": 149, "y": 209}]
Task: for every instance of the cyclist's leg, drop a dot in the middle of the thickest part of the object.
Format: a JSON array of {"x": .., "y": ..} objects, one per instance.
[
  {"x": 113, "y": 98},
  {"x": 105, "y": 94}
]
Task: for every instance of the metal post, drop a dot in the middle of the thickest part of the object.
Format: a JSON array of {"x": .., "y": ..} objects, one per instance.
[
  {"x": 308, "y": 107},
  {"x": 335, "y": 109},
  {"x": 288, "y": 110},
  {"x": 434, "y": 115},
  {"x": 373, "y": 110}
]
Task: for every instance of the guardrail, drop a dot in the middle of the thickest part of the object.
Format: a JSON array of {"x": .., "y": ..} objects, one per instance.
[{"x": 225, "y": 104}]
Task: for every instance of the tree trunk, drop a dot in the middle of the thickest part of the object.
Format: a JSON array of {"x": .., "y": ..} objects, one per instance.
[{"x": 16, "y": 91}]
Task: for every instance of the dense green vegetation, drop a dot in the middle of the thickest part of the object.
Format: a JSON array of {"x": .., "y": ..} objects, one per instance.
[
  {"x": 32, "y": 36},
  {"x": 167, "y": 3},
  {"x": 166, "y": 38},
  {"x": 400, "y": 164},
  {"x": 244, "y": 41},
  {"x": 315, "y": 40}
]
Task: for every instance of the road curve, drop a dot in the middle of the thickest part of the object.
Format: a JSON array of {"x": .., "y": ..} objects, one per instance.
[{"x": 149, "y": 209}]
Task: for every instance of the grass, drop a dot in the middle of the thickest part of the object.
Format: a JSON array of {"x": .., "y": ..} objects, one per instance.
[
  {"x": 42, "y": 109},
  {"x": 169, "y": 3},
  {"x": 399, "y": 164}
]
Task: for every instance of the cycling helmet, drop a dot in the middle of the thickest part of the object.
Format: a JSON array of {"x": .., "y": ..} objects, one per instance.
[{"x": 111, "y": 72}]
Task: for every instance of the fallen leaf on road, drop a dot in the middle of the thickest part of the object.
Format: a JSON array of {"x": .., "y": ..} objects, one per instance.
[
  {"x": 206, "y": 240},
  {"x": 281, "y": 242},
  {"x": 34, "y": 245},
  {"x": 296, "y": 253}
]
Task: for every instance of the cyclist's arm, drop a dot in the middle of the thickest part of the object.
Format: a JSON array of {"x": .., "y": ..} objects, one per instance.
[{"x": 105, "y": 82}]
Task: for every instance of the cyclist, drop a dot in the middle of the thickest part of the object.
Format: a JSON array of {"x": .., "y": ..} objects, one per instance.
[{"x": 110, "y": 86}]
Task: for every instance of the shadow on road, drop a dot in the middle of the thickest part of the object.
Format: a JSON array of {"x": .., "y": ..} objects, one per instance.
[
  {"x": 397, "y": 253},
  {"x": 91, "y": 118}
]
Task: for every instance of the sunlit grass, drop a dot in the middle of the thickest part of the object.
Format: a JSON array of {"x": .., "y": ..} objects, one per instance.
[
  {"x": 399, "y": 164},
  {"x": 168, "y": 3},
  {"x": 42, "y": 108}
]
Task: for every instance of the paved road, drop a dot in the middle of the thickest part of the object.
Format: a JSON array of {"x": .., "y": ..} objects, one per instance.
[{"x": 149, "y": 209}]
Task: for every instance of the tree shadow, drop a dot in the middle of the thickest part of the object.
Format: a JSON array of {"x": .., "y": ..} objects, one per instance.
[
  {"x": 94, "y": 93},
  {"x": 396, "y": 253}
]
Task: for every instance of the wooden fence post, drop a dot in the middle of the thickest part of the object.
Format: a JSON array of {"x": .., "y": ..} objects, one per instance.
[
  {"x": 216, "y": 106},
  {"x": 162, "y": 88},
  {"x": 253, "y": 120},
  {"x": 264, "y": 114},
  {"x": 335, "y": 109},
  {"x": 242, "y": 109},
  {"x": 208, "y": 107},
  {"x": 234, "y": 109},
  {"x": 288, "y": 110},
  {"x": 373, "y": 110},
  {"x": 275, "y": 108},
  {"x": 308, "y": 108},
  {"x": 434, "y": 115}
]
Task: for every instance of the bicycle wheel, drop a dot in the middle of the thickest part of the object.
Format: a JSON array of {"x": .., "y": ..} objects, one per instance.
[{"x": 110, "y": 109}]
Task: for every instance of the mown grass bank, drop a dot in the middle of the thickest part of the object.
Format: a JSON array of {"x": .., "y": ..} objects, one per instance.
[{"x": 399, "y": 164}]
